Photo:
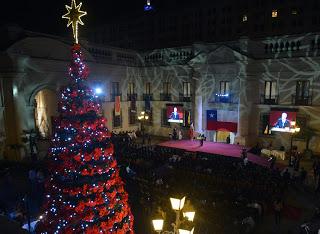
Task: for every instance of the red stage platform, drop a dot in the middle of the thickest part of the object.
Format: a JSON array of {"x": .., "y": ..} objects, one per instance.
[{"x": 215, "y": 148}]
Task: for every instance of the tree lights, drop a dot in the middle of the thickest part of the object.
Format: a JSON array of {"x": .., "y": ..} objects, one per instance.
[{"x": 85, "y": 193}]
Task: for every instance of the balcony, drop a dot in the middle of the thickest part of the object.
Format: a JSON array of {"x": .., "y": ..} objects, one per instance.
[
  {"x": 269, "y": 100},
  {"x": 132, "y": 97},
  {"x": 165, "y": 97},
  {"x": 185, "y": 98},
  {"x": 147, "y": 96},
  {"x": 301, "y": 100},
  {"x": 113, "y": 96},
  {"x": 224, "y": 98}
]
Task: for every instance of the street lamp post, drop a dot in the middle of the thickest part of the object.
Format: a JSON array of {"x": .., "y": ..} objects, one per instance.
[
  {"x": 179, "y": 227},
  {"x": 143, "y": 117}
]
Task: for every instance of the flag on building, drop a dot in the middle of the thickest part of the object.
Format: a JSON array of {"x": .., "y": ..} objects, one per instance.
[
  {"x": 117, "y": 106},
  {"x": 221, "y": 120},
  {"x": 187, "y": 118}
]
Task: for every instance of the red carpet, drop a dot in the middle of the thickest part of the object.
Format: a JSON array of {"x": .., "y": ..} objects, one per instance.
[{"x": 215, "y": 148}]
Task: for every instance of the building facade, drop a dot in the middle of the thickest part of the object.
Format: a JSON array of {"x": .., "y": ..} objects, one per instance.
[
  {"x": 175, "y": 22},
  {"x": 243, "y": 81}
]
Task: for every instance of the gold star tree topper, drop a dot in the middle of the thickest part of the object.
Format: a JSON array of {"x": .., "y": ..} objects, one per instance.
[{"x": 74, "y": 17}]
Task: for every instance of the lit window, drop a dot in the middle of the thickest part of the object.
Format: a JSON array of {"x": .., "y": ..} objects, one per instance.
[
  {"x": 274, "y": 13},
  {"x": 244, "y": 18}
]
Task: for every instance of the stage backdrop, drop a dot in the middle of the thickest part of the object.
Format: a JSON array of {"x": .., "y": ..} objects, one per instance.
[{"x": 222, "y": 120}]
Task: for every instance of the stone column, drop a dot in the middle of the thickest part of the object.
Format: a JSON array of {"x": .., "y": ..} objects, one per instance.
[
  {"x": 248, "y": 118},
  {"x": 11, "y": 120},
  {"x": 243, "y": 113},
  {"x": 197, "y": 105}
]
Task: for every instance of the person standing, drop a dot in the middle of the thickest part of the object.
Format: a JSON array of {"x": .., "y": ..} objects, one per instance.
[
  {"x": 297, "y": 161},
  {"x": 303, "y": 175},
  {"x": 174, "y": 134},
  {"x": 244, "y": 153},
  {"x": 149, "y": 139},
  {"x": 316, "y": 168},
  {"x": 277, "y": 206},
  {"x": 272, "y": 161},
  {"x": 191, "y": 131},
  {"x": 179, "y": 135},
  {"x": 228, "y": 140},
  {"x": 201, "y": 139}
]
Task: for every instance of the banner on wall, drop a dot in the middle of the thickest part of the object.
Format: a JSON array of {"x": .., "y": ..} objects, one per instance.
[
  {"x": 187, "y": 116},
  {"x": 222, "y": 120},
  {"x": 117, "y": 106}
]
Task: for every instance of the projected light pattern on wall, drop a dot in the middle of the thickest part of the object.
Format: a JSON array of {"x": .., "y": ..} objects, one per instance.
[{"x": 244, "y": 77}]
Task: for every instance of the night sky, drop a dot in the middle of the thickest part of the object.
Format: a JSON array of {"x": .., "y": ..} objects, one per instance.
[{"x": 45, "y": 15}]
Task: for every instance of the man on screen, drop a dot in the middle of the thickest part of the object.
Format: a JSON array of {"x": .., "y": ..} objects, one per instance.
[
  {"x": 175, "y": 115},
  {"x": 282, "y": 122}
]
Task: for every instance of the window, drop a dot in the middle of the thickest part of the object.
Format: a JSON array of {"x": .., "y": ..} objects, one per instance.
[
  {"x": 115, "y": 89},
  {"x": 270, "y": 89},
  {"x": 302, "y": 89},
  {"x": 186, "y": 89},
  {"x": 244, "y": 18},
  {"x": 224, "y": 87},
  {"x": 148, "y": 88},
  {"x": 274, "y": 13},
  {"x": 166, "y": 88},
  {"x": 117, "y": 120},
  {"x": 302, "y": 96},
  {"x": 131, "y": 88},
  {"x": 132, "y": 116},
  {"x": 270, "y": 96}
]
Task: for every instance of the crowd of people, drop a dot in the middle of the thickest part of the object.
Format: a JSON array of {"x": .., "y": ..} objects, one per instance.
[{"x": 230, "y": 194}]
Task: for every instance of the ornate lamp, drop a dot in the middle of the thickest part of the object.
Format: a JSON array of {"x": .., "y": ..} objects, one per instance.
[
  {"x": 186, "y": 229},
  {"x": 158, "y": 224},
  {"x": 177, "y": 204},
  {"x": 188, "y": 211}
]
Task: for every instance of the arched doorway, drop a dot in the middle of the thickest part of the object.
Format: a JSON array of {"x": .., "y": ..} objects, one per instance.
[{"x": 46, "y": 105}]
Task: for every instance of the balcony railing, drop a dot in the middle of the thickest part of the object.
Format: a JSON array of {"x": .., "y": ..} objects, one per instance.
[
  {"x": 301, "y": 100},
  {"x": 269, "y": 100},
  {"x": 113, "y": 96},
  {"x": 224, "y": 98},
  {"x": 165, "y": 97},
  {"x": 147, "y": 96},
  {"x": 184, "y": 97},
  {"x": 132, "y": 97}
]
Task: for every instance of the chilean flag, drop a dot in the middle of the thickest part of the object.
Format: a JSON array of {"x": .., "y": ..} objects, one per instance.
[{"x": 217, "y": 124}]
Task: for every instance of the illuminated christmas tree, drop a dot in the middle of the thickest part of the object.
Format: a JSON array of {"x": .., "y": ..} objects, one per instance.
[{"x": 84, "y": 192}]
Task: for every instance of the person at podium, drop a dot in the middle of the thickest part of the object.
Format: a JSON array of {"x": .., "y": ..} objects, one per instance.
[
  {"x": 175, "y": 115},
  {"x": 282, "y": 122}
]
